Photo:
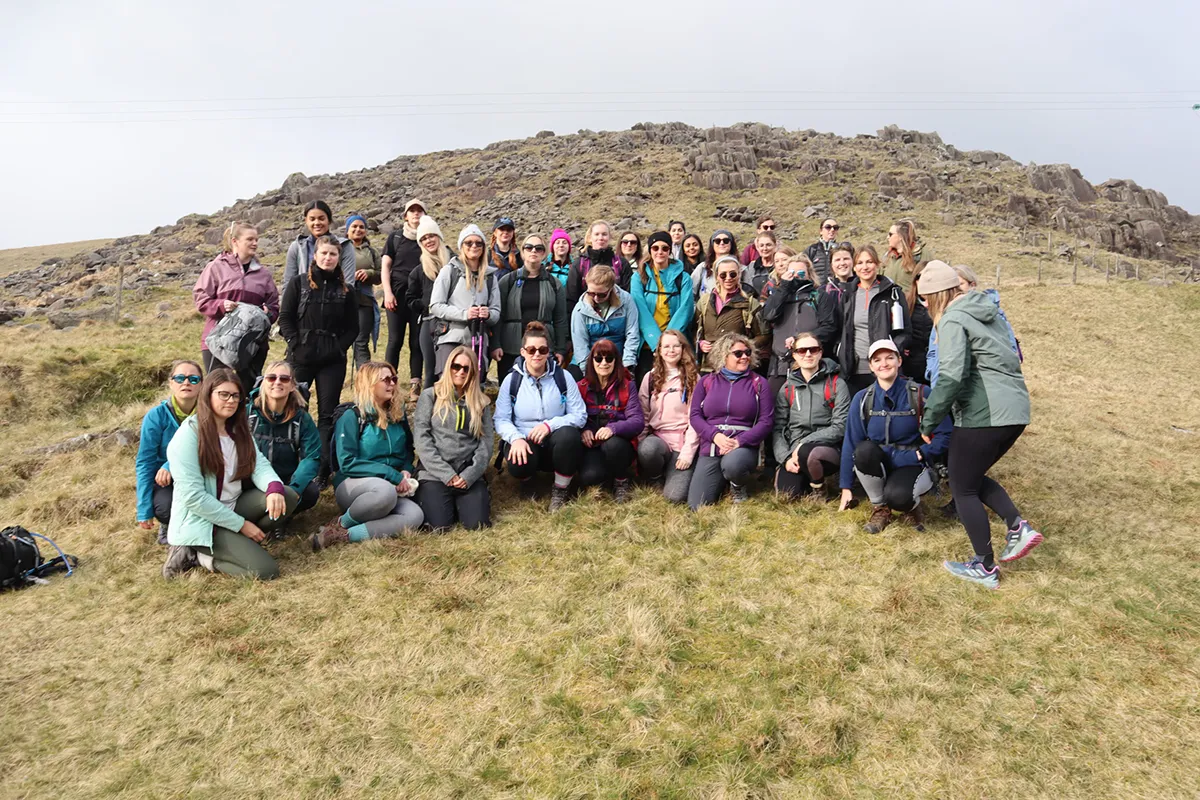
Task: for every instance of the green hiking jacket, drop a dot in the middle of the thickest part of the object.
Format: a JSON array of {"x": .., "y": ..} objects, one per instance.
[
  {"x": 802, "y": 415},
  {"x": 979, "y": 375}
]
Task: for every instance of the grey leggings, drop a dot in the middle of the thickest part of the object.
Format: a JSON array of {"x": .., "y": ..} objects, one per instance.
[
  {"x": 657, "y": 460},
  {"x": 372, "y": 502},
  {"x": 712, "y": 473}
]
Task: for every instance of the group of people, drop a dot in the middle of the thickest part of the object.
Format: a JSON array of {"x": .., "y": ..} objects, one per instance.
[{"x": 688, "y": 367}]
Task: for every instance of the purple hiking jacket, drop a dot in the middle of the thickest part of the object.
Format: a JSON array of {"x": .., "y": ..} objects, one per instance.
[{"x": 745, "y": 403}]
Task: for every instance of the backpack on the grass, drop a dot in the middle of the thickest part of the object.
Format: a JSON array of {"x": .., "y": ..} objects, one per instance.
[{"x": 21, "y": 561}]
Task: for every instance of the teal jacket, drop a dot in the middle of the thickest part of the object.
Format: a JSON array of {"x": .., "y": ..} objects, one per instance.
[
  {"x": 292, "y": 447},
  {"x": 195, "y": 507},
  {"x": 364, "y": 450},
  {"x": 677, "y": 285},
  {"x": 979, "y": 375},
  {"x": 158, "y": 426}
]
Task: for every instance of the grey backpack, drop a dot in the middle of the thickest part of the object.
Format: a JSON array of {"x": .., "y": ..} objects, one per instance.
[{"x": 239, "y": 336}]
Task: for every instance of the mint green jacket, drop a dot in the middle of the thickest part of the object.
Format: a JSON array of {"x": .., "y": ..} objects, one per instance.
[{"x": 195, "y": 507}]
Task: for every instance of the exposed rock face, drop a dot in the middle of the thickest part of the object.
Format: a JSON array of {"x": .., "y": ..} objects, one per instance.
[{"x": 1061, "y": 179}]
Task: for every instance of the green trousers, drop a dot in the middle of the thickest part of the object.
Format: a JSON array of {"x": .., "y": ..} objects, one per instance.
[{"x": 232, "y": 553}]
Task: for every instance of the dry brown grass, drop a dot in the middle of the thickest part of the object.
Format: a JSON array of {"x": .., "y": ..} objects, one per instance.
[
  {"x": 27, "y": 257},
  {"x": 770, "y": 650}
]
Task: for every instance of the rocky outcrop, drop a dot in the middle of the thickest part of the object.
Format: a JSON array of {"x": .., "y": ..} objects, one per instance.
[{"x": 1061, "y": 179}]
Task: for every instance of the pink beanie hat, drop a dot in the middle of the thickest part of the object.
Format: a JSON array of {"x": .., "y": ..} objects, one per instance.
[{"x": 559, "y": 233}]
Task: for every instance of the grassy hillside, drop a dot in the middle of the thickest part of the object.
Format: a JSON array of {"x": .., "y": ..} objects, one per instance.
[
  {"x": 27, "y": 257},
  {"x": 771, "y": 650}
]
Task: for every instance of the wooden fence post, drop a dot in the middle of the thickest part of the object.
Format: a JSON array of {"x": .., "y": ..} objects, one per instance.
[
  {"x": 1039, "y": 272},
  {"x": 1074, "y": 272},
  {"x": 120, "y": 290},
  {"x": 1137, "y": 271},
  {"x": 1106, "y": 271},
  {"x": 997, "y": 277}
]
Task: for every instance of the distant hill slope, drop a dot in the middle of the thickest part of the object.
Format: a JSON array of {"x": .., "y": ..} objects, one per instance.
[{"x": 641, "y": 178}]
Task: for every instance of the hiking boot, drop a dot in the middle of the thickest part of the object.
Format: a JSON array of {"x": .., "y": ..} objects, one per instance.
[
  {"x": 915, "y": 518},
  {"x": 975, "y": 572},
  {"x": 414, "y": 390},
  {"x": 817, "y": 494},
  {"x": 528, "y": 489},
  {"x": 179, "y": 560},
  {"x": 881, "y": 517},
  {"x": 950, "y": 511},
  {"x": 622, "y": 490},
  {"x": 162, "y": 534},
  {"x": 331, "y": 533},
  {"x": 1019, "y": 542},
  {"x": 739, "y": 494},
  {"x": 558, "y": 497}
]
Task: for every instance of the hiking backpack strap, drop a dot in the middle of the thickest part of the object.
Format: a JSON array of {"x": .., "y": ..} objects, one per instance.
[
  {"x": 916, "y": 399},
  {"x": 831, "y": 390}
]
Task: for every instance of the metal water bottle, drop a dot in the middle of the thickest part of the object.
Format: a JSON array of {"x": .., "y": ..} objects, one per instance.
[{"x": 897, "y": 316}]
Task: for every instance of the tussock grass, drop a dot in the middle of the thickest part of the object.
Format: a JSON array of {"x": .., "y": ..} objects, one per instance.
[{"x": 768, "y": 650}]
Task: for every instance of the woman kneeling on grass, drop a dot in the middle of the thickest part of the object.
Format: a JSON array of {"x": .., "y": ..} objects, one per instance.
[
  {"x": 614, "y": 420},
  {"x": 980, "y": 380},
  {"x": 539, "y": 412},
  {"x": 810, "y": 421},
  {"x": 285, "y": 433},
  {"x": 215, "y": 521},
  {"x": 883, "y": 446},
  {"x": 732, "y": 412},
  {"x": 454, "y": 434},
  {"x": 154, "y": 485},
  {"x": 667, "y": 449},
  {"x": 373, "y": 463}
]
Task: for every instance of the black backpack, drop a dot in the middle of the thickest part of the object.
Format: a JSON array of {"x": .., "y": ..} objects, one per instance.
[{"x": 21, "y": 561}]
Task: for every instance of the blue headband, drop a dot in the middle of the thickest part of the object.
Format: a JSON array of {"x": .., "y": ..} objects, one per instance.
[{"x": 350, "y": 220}]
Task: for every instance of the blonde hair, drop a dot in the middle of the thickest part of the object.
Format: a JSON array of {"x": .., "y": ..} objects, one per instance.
[
  {"x": 603, "y": 275},
  {"x": 445, "y": 397},
  {"x": 967, "y": 274},
  {"x": 365, "y": 379},
  {"x": 235, "y": 231},
  {"x": 720, "y": 350},
  {"x": 906, "y": 229},
  {"x": 587, "y": 237},
  {"x": 432, "y": 263},
  {"x": 295, "y": 401},
  {"x": 938, "y": 301},
  {"x": 471, "y": 274}
]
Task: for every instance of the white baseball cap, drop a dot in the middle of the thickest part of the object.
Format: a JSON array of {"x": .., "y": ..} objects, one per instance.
[{"x": 882, "y": 344}]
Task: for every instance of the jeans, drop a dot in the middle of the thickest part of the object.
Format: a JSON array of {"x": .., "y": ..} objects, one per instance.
[
  {"x": 712, "y": 473},
  {"x": 657, "y": 460}
]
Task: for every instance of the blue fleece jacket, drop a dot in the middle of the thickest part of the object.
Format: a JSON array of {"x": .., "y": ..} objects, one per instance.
[
  {"x": 904, "y": 431},
  {"x": 677, "y": 285},
  {"x": 158, "y": 426},
  {"x": 538, "y": 400}
]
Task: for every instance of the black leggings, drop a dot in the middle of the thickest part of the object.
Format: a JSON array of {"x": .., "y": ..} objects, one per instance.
[
  {"x": 560, "y": 452},
  {"x": 444, "y": 506},
  {"x": 162, "y": 502},
  {"x": 329, "y": 379},
  {"x": 973, "y": 451},
  {"x": 398, "y": 321},
  {"x": 366, "y": 327},
  {"x": 609, "y": 459},
  {"x": 898, "y": 488},
  {"x": 247, "y": 376},
  {"x": 816, "y": 461}
]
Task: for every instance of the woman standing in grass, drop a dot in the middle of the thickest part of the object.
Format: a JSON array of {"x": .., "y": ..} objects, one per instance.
[
  {"x": 841, "y": 274},
  {"x": 402, "y": 256},
  {"x": 692, "y": 250},
  {"x": 661, "y": 293},
  {"x": 732, "y": 413},
  {"x": 539, "y": 413},
  {"x": 558, "y": 262},
  {"x": 319, "y": 321},
  {"x": 597, "y": 252},
  {"x": 668, "y": 445},
  {"x": 528, "y": 294},
  {"x": 904, "y": 253},
  {"x": 373, "y": 464},
  {"x": 980, "y": 382},
  {"x": 366, "y": 278},
  {"x": 728, "y": 308},
  {"x": 794, "y": 305},
  {"x": 810, "y": 420},
  {"x": 285, "y": 433},
  {"x": 318, "y": 220},
  {"x": 215, "y": 522},
  {"x": 454, "y": 433},
  {"x": 154, "y": 484},
  {"x": 631, "y": 251},
  {"x": 434, "y": 256},
  {"x": 465, "y": 301},
  {"x": 873, "y": 311},
  {"x": 614, "y": 420}
]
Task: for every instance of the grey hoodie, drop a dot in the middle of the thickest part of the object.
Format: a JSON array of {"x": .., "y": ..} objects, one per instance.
[{"x": 446, "y": 447}]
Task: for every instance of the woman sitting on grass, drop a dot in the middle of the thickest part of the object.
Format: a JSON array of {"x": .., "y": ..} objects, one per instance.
[
  {"x": 732, "y": 412},
  {"x": 373, "y": 463},
  {"x": 154, "y": 485},
  {"x": 810, "y": 421},
  {"x": 215, "y": 521},
  {"x": 539, "y": 412},
  {"x": 285, "y": 433},
  {"x": 614, "y": 420},
  {"x": 980, "y": 381},
  {"x": 454, "y": 433},
  {"x": 667, "y": 449}
]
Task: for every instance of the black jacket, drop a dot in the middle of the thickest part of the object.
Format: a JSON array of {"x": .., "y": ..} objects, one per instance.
[
  {"x": 320, "y": 324},
  {"x": 820, "y": 259},
  {"x": 796, "y": 306},
  {"x": 879, "y": 322},
  {"x": 406, "y": 255},
  {"x": 577, "y": 277},
  {"x": 918, "y": 345}
]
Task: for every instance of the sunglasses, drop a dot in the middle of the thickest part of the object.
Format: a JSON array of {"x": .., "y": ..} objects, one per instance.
[
  {"x": 740, "y": 354},
  {"x": 460, "y": 367},
  {"x": 281, "y": 378},
  {"x": 534, "y": 248},
  {"x": 726, "y": 275},
  {"x": 604, "y": 358},
  {"x": 543, "y": 350},
  {"x": 767, "y": 228},
  {"x": 390, "y": 380},
  {"x": 722, "y": 240},
  {"x": 473, "y": 244},
  {"x": 831, "y": 227},
  {"x": 630, "y": 242},
  {"x": 599, "y": 295},
  {"x": 181, "y": 379},
  {"x": 228, "y": 397},
  {"x": 659, "y": 248},
  {"x": 807, "y": 351}
]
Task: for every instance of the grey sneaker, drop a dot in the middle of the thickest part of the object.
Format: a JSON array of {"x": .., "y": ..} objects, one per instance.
[
  {"x": 1020, "y": 541},
  {"x": 739, "y": 494},
  {"x": 558, "y": 497},
  {"x": 622, "y": 490},
  {"x": 179, "y": 560},
  {"x": 975, "y": 572}
]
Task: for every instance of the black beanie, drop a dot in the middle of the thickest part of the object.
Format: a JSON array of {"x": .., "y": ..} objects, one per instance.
[{"x": 659, "y": 236}]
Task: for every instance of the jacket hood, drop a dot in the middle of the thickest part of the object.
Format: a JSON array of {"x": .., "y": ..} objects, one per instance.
[
  {"x": 976, "y": 305},
  {"x": 826, "y": 368},
  {"x": 551, "y": 366}
]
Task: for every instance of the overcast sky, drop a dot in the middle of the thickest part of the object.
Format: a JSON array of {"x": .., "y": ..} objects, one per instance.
[{"x": 462, "y": 74}]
